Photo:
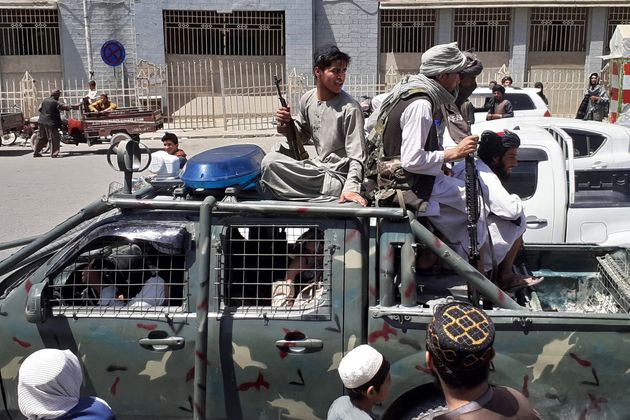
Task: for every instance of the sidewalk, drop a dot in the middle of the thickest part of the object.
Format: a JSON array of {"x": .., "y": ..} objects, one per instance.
[{"x": 211, "y": 133}]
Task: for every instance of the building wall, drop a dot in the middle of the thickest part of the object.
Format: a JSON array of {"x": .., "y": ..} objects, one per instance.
[
  {"x": 107, "y": 21},
  {"x": 353, "y": 27},
  {"x": 298, "y": 26}
]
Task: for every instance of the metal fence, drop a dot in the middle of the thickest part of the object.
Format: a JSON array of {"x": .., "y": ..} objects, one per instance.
[
  {"x": 558, "y": 29},
  {"x": 236, "y": 95},
  {"x": 483, "y": 29}
]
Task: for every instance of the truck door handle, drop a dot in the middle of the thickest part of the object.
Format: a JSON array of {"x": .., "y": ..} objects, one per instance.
[
  {"x": 533, "y": 221},
  {"x": 599, "y": 165},
  {"x": 162, "y": 344},
  {"x": 308, "y": 345}
]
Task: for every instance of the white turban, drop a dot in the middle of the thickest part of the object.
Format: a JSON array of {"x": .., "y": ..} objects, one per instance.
[
  {"x": 443, "y": 58},
  {"x": 49, "y": 384}
]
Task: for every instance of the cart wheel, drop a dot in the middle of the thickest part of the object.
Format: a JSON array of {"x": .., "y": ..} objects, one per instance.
[{"x": 8, "y": 138}]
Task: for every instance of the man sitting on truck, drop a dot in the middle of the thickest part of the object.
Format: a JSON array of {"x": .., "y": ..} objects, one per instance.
[
  {"x": 103, "y": 104},
  {"x": 334, "y": 121},
  {"x": 504, "y": 211},
  {"x": 410, "y": 168}
]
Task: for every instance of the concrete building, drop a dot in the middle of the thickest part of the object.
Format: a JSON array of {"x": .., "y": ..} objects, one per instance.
[{"x": 62, "y": 39}]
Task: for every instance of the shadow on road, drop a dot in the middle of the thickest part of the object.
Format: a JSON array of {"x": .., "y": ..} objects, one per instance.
[{"x": 15, "y": 152}]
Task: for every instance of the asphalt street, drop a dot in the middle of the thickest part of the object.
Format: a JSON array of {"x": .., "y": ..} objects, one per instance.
[{"x": 39, "y": 193}]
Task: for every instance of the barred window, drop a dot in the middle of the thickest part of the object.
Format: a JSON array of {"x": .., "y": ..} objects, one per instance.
[
  {"x": 558, "y": 29},
  {"x": 29, "y": 32},
  {"x": 124, "y": 273},
  {"x": 281, "y": 269},
  {"x": 483, "y": 29},
  {"x": 201, "y": 32},
  {"x": 407, "y": 30},
  {"x": 616, "y": 16}
]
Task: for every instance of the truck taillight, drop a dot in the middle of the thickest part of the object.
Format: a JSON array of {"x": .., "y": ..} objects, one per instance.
[{"x": 547, "y": 114}]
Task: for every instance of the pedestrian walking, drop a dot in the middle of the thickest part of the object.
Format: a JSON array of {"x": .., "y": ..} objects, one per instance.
[{"x": 50, "y": 123}]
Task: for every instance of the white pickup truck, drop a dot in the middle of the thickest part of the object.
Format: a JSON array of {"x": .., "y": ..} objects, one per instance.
[{"x": 562, "y": 204}]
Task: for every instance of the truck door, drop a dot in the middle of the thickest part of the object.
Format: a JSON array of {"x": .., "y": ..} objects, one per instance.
[
  {"x": 274, "y": 345},
  {"x": 119, "y": 298},
  {"x": 539, "y": 184}
]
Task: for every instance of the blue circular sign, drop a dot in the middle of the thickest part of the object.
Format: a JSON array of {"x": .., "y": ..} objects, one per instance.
[{"x": 113, "y": 53}]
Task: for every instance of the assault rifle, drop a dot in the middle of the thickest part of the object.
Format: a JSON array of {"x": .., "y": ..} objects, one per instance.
[
  {"x": 299, "y": 153},
  {"x": 472, "y": 207}
]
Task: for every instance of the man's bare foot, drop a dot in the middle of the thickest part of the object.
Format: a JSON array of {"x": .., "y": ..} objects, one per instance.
[{"x": 514, "y": 281}]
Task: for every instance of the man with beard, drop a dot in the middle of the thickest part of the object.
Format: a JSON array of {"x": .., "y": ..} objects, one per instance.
[
  {"x": 411, "y": 124},
  {"x": 461, "y": 114},
  {"x": 459, "y": 350},
  {"x": 504, "y": 211},
  {"x": 501, "y": 107},
  {"x": 597, "y": 100}
]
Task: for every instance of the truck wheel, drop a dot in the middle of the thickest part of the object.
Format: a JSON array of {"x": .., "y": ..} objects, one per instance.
[
  {"x": 424, "y": 404},
  {"x": 8, "y": 138}
]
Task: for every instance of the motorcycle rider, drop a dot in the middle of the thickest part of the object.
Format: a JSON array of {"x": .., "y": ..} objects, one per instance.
[{"x": 50, "y": 123}]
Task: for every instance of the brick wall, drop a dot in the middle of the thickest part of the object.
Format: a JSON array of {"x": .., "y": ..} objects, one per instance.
[{"x": 353, "y": 27}]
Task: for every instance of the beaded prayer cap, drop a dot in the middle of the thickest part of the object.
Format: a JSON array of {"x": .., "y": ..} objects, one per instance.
[{"x": 460, "y": 337}]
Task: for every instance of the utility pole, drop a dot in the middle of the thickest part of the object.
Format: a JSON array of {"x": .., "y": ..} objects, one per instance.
[{"x": 88, "y": 41}]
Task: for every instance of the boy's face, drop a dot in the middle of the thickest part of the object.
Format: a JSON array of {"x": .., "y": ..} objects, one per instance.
[
  {"x": 333, "y": 77},
  {"x": 378, "y": 397},
  {"x": 498, "y": 96},
  {"x": 170, "y": 147}
]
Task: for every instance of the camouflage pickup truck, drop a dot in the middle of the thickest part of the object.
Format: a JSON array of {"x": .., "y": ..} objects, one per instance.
[{"x": 213, "y": 340}]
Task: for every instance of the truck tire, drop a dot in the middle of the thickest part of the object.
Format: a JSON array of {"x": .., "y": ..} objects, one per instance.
[
  {"x": 9, "y": 138},
  {"x": 422, "y": 404}
]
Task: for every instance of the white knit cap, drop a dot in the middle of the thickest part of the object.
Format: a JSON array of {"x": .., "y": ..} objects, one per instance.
[
  {"x": 443, "y": 58},
  {"x": 49, "y": 384},
  {"x": 359, "y": 366}
]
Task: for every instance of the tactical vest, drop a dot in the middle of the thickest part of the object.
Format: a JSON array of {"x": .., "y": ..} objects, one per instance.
[{"x": 388, "y": 184}]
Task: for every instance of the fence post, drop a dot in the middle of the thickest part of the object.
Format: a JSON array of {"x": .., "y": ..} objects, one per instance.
[{"x": 222, "y": 85}]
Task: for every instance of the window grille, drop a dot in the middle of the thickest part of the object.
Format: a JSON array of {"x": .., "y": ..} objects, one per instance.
[
  {"x": 558, "y": 29},
  {"x": 407, "y": 30},
  {"x": 29, "y": 32},
  {"x": 616, "y": 16},
  {"x": 201, "y": 32},
  {"x": 483, "y": 29},
  {"x": 114, "y": 275},
  {"x": 275, "y": 270}
]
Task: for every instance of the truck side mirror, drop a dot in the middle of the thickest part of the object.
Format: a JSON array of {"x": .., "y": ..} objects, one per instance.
[{"x": 37, "y": 309}]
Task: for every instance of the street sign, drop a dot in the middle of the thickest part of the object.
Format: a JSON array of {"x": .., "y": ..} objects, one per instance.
[{"x": 113, "y": 53}]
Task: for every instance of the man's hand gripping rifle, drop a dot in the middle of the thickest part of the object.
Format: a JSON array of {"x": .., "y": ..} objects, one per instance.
[{"x": 299, "y": 153}]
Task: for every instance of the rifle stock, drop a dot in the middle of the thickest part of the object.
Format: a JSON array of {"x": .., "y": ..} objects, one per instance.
[{"x": 299, "y": 153}]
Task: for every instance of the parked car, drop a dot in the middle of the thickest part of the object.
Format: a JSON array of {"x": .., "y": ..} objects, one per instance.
[
  {"x": 216, "y": 345},
  {"x": 596, "y": 145},
  {"x": 525, "y": 102}
]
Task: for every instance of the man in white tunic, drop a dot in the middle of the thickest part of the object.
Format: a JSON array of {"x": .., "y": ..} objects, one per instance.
[
  {"x": 334, "y": 121},
  {"x": 412, "y": 127},
  {"x": 497, "y": 157}
]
